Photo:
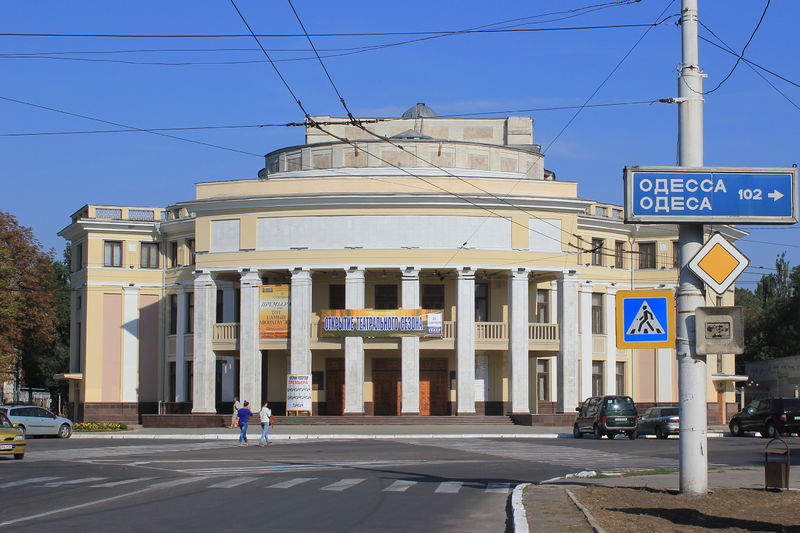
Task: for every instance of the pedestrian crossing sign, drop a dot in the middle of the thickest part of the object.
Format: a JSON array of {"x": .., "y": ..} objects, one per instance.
[{"x": 645, "y": 319}]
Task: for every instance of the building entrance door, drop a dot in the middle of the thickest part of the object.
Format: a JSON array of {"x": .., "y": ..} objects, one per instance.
[
  {"x": 334, "y": 387},
  {"x": 386, "y": 387},
  {"x": 433, "y": 391}
]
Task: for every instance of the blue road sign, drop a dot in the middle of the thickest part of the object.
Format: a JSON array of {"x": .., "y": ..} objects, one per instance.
[
  {"x": 645, "y": 319},
  {"x": 711, "y": 195}
]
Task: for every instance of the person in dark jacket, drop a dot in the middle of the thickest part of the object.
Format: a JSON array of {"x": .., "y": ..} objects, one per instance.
[{"x": 244, "y": 415}]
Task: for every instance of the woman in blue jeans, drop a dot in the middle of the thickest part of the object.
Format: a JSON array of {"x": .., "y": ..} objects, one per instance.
[{"x": 244, "y": 417}]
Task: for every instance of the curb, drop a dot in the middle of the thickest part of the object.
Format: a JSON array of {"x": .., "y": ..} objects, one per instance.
[
  {"x": 519, "y": 515},
  {"x": 585, "y": 511},
  {"x": 323, "y": 436}
]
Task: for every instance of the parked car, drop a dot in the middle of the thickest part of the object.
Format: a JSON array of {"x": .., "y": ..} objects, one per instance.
[
  {"x": 606, "y": 416},
  {"x": 770, "y": 417},
  {"x": 12, "y": 439},
  {"x": 36, "y": 420},
  {"x": 659, "y": 421}
]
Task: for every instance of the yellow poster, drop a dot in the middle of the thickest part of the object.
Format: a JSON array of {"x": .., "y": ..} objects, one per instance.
[{"x": 273, "y": 312}]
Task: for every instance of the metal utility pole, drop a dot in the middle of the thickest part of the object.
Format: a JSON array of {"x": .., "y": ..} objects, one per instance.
[{"x": 691, "y": 367}]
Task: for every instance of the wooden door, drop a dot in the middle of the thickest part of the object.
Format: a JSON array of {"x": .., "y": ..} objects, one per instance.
[
  {"x": 386, "y": 393},
  {"x": 334, "y": 387},
  {"x": 433, "y": 400}
]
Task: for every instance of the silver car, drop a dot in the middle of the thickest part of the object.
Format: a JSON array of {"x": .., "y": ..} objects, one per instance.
[
  {"x": 37, "y": 420},
  {"x": 659, "y": 421}
]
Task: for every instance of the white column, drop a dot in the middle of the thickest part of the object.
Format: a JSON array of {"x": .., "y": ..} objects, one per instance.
[
  {"x": 205, "y": 310},
  {"x": 610, "y": 323},
  {"x": 180, "y": 344},
  {"x": 300, "y": 316},
  {"x": 409, "y": 346},
  {"x": 354, "y": 297},
  {"x": 249, "y": 354},
  {"x": 465, "y": 341},
  {"x": 568, "y": 357},
  {"x": 664, "y": 358},
  {"x": 228, "y": 316},
  {"x": 130, "y": 344},
  {"x": 586, "y": 341},
  {"x": 518, "y": 341}
]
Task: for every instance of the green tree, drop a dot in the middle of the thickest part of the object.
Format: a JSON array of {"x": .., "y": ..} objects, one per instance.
[{"x": 34, "y": 307}]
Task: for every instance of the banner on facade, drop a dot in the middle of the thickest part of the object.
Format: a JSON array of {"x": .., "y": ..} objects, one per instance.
[
  {"x": 273, "y": 312},
  {"x": 380, "y": 323},
  {"x": 298, "y": 392}
]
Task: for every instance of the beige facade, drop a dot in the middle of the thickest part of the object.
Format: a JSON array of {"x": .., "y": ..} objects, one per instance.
[{"x": 418, "y": 212}]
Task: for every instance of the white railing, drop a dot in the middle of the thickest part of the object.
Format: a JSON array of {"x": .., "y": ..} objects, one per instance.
[
  {"x": 538, "y": 331},
  {"x": 226, "y": 332}
]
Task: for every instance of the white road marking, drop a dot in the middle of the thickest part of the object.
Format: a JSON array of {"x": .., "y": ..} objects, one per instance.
[
  {"x": 500, "y": 488},
  {"x": 74, "y": 481},
  {"x": 401, "y": 485},
  {"x": 291, "y": 483},
  {"x": 231, "y": 483},
  {"x": 449, "y": 487},
  {"x": 123, "y": 482},
  {"x": 165, "y": 484},
  {"x": 303, "y": 467},
  {"x": 26, "y": 481},
  {"x": 343, "y": 484}
]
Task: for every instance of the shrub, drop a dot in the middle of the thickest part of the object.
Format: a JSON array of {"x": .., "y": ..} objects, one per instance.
[{"x": 100, "y": 426}]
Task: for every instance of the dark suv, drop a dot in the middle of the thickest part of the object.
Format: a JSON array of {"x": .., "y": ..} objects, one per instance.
[
  {"x": 606, "y": 416},
  {"x": 770, "y": 417}
]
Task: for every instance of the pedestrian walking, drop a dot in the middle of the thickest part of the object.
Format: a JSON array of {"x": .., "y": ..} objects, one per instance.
[
  {"x": 265, "y": 414},
  {"x": 244, "y": 418},
  {"x": 236, "y": 407}
]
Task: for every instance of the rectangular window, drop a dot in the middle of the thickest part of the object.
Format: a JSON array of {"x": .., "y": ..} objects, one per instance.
[
  {"x": 173, "y": 254},
  {"x": 171, "y": 382},
  {"x": 647, "y": 255},
  {"x": 543, "y": 380},
  {"x": 675, "y": 254},
  {"x": 113, "y": 254},
  {"x": 597, "y": 378},
  {"x": 76, "y": 364},
  {"x": 620, "y": 378},
  {"x": 597, "y": 314},
  {"x": 385, "y": 296},
  {"x": 543, "y": 306},
  {"x": 192, "y": 255},
  {"x": 597, "y": 252},
  {"x": 336, "y": 298},
  {"x": 149, "y": 255},
  {"x": 432, "y": 296},
  {"x": 481, "y": 302},
  {"x": 237, "y": 304},
  {"x": 600, "y": 211},
  {"x": 189, "y": 312},
  {"x": 77, "y": 257},
  {"x": 173, "y": 314},
  {"x": 619, "y": 254},
  {"x": 189, "y": 392},
  {"x": 220, "y": 307}
]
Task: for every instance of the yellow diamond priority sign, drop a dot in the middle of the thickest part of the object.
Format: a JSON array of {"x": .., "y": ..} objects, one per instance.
[{"x": 718, "y": 263}]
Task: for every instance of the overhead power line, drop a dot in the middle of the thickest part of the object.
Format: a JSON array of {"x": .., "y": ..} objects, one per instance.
[{"x": 322, "y": 35}]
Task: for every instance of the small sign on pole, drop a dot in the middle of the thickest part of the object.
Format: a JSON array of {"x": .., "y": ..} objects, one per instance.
[
  {"x": 645, "y": 319},
  {"x": 718, "y": 263}
]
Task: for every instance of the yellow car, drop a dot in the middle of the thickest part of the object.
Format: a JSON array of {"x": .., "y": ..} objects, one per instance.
[{"x": 12, "y": 439}]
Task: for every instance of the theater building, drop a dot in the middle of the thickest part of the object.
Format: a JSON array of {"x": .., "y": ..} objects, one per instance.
[{"x": 453, "y": 222}]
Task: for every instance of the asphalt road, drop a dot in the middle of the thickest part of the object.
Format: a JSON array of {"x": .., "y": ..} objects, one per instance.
[{"x": 301, "y": 486}]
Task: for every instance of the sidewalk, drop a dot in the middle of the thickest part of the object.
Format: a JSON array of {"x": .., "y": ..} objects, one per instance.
[
  {"x": 550, "y": 506},
  {"x": 365, "y": 431}
]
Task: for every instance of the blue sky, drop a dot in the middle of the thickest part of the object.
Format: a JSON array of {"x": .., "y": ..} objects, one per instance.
[{"x": 47, "y": 177}]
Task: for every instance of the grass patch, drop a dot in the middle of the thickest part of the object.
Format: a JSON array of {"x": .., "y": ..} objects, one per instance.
[{"x": 100, "y": 426}]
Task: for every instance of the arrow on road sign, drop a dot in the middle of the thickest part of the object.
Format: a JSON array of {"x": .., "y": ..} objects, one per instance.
[{"x": 775, "y": 195}]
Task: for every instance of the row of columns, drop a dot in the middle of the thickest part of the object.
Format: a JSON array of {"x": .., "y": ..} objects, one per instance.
[{"x": 572, "y": 380}]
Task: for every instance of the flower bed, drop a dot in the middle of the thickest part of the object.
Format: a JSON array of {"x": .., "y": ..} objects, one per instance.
[{"x": 100, "y": 426}]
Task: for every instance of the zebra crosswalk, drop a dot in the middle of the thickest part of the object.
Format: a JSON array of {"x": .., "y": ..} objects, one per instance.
[{"x": 327, "y": 484}]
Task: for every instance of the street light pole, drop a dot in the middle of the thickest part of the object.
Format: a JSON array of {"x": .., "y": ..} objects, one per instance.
[{"x": 691, "y": 367}]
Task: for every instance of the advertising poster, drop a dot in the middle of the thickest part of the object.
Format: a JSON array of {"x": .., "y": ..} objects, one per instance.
[
  {"x": 273, "y": 312},
  {"x": 380, "y": 323},
  {"x": 298, "y": 392}
]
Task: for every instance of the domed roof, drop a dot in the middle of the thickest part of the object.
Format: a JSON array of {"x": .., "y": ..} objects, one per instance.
[{"x": 419, "y": 110}]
